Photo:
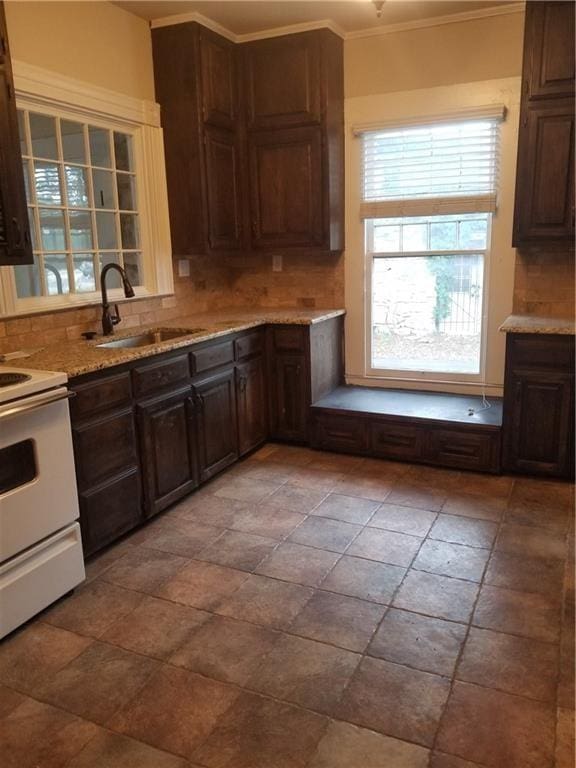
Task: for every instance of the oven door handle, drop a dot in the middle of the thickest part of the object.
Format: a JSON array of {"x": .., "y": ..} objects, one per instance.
[{"x": 31, "y": 405}]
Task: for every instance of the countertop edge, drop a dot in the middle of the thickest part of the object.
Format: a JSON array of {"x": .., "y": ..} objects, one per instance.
[{"x": 551, "y": 326}]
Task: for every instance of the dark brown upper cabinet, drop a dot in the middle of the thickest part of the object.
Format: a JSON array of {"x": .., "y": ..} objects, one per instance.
[
  {"x": 544, "y": 205},
  {"x": 219, "y": 81},
  {"x": 15, "y": 242}
]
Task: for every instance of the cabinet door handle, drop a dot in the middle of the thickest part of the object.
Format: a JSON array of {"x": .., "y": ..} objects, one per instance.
[
  {"x": 17, "y": 232},
  {"x": 199, "y": 402},
  {"x": 243, "y": 382}
]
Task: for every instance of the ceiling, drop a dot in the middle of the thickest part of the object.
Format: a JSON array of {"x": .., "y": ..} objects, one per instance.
[{"x": 243, "y": 17}]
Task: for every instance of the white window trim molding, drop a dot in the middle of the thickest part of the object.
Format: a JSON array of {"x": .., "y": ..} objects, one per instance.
[{"x": 43, "y": 90}]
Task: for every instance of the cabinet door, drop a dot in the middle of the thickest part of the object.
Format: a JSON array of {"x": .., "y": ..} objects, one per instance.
[
  {"x": 282, "y": 81},
  {"x": 538, "y": 421},
  {"x": 219, "y": 79},
  {"x": 549, "y": 49},
  {"x": 15, "y": 243},
  {"x": 217, "y": 430},
  {"x": 167, "y": 437},
  {"x": 544, "y": 208},
  {"x": 289, "y": 398},
  {"x": 286, "y": 188},
  {"x": 223, "y": 207},
  {"x": 251, "y": 401}
]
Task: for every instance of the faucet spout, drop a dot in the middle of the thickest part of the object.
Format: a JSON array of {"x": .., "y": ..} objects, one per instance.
[{"x": 109, "y": 320}]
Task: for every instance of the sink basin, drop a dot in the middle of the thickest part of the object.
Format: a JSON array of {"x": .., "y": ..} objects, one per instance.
[{"x": 149, "y": 338}]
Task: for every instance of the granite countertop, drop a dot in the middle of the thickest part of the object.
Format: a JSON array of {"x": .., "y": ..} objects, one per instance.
[
  {"x": 80, "y": 357},
  {"x": 535, "y": 324}
]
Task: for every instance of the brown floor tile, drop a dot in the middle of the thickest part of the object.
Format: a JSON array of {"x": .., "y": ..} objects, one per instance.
[
  {"x": 365, "y": 579},
  {"x": 100, "y": 562},
  {"x": 441, "y": 760},
  {"x": 260, "y": 733},
  {"x": 335, "y": 462},
  {"x": 144, "y": 570},
  {"x": 395, "y": 700},
  {"x": 565, "y": 739},
  {"x": 246, "y": 490},
  {"x": 299, "y": 564},
  {"x": 210, "y": 510},
  {"x": 347, "y": 746},
  {"x": 175, "y": 711},
  {"x": 349, "y": 509},
  {"x": 181, "y": 537},
  {"x": 36, "y": 735},
  {"x": 556, "y": 493},
  {"x": 487, "y": 485},
  {"x": 34, "y": 653},
  {"x": 416, "y": 522},
  {"x": 9, "y": 700},
  {"x": 438, "y": 478},
  {"x": 451, "y": 560},
  {"x": 317, "y": 479},
  {"x": 274, "y": 523},
  {"x": 567, "y": 682},
  {"x": 497, "y": 729},
  {"x": 339, "y": 620},
  {"x": 530, "y": 541},
  {"x": 512, "y": 664},
  {"x": 202, "y": 585},
  {"x": 421, "y": 497},
  {"x": 431, "y": 645},
  {"x": 325, "y": 534},
  {"x": 475, "y": 505},
  {"x": 438, "y": 596},
  {"x": 92, "y": 608},
  {"x": 526, "y": 574},
  {"x": 382, "y": 468},
  {"x": 110, "y": 750},
  {"x": 305, "y": 672},
  {"x": 518, "y": 613},
  {"x": 540, "y": 515},
  {"x": 369, "y": 487},
  {"x": 293, "y": 498},
  {"x": 98, "y": 682},
  {"x": 385, "y": 546},
  {"x": 277, "y": 474},
  {"x": 235, "y": 549},
  {"x": 156, "y": 628},
  {"x": 226, "y": 649},
  {"x": 265, "y": 601},
  {"x": 464, "y": 530},
  {"x": 291, "y": 455}
]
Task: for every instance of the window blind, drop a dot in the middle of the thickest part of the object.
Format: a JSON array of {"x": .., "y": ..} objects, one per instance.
[{"x": 432, "y": 168}]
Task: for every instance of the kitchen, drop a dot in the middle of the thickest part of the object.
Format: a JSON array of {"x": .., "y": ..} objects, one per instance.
[{"x": 287, "y": 426}]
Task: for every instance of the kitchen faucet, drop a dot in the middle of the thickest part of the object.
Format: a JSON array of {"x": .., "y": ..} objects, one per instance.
[{"x": 109, "y": 320}]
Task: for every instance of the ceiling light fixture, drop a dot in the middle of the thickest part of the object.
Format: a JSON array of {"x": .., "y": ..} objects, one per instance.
[{"x": 378, "y": 4}]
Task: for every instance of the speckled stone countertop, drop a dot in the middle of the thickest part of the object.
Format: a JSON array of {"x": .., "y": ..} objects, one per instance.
[
  {"x": 80, "y": 357},
  {"x": 535, "y": 324}
]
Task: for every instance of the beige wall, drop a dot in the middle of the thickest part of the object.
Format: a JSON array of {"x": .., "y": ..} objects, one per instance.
[
  {"x": 463, "y": 52},
  {"x": 91, "y": 41}
]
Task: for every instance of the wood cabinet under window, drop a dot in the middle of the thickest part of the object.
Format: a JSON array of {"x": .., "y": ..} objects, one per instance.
[
  {"x": 15, "y": 242},
  {"x": 544, "y": 205}
]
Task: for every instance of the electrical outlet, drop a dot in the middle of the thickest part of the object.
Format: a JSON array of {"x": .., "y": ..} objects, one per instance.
[
  {"x": 183, "y": 268},
  {"x": 277, "y": 262}
]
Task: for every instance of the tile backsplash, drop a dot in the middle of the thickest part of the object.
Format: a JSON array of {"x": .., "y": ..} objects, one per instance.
[{"x": 544, "y": 283}]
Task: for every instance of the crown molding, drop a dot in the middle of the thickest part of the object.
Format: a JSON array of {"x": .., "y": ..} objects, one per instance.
[{"x": 385, "y": 29}]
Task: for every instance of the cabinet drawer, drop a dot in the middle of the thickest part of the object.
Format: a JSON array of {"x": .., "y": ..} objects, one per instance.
[
  {"x": 540, "y": 351},
  {"x": 398, "y": 441},
  {"x": 102, "y": 395},
  {"x": 212, "y": 356},
  {"x": 338, "y": 433},
  {"x": 151, "y": 378},
  {"x": 249, "y": 345},
  {"x": 104, "y": 447},
  {"x": 289, "y": 339},
  {"x": 465, "y": 450}
]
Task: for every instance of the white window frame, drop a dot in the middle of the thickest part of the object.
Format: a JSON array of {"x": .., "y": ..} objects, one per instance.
[{"x": 41, "y": 91}]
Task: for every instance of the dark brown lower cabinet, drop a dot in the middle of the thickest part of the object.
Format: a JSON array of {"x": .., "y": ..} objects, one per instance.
[
  {"x": 251, "y": 404},
  {"x": 289, "y": 400},
  {"x": 167, "y": 432},
  {"x": 215, "y": 402}
]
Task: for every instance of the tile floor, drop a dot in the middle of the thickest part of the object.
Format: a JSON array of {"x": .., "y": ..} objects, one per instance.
[{"x": 308, "y": 610}]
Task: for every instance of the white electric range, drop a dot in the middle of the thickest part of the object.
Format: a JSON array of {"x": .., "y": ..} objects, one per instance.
[{"x": 40, "y": 543}]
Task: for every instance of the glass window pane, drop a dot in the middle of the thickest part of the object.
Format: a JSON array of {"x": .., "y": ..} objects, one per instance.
[
  {"x": 43, "y": 133},
  {"x": 22, "y": 132},
  {"x": 112, "y": 278},
  {"x": 444, "y": 235},
  {"x": 427, "y": 313},
  {"x": 84, "y": 279},
  {"x": 33, "y": 232},
  {"x": 56, "y": 269},
  {"x": 129, "y": 230},
  {"x": 28, "y": 280},
  {"x": 80, "y": 230},
  {"x": 415, "y": 237},
  {"x": 473, "y": 234},
  {"x": 133, "y": 267},
  {"x": 103, "y": 182},
  {"x": 52, "y": 229},
  {"x": 106, "y": 226},
  {"x": 386, "y": 238},
  {"x": 47, "y": 183},
  {"x": 126, "y": 192},
  {"x": 26, "y": 171},
  {"x": 73, "y": 148},
  {"x": 123, "y": 152},
  {"x": 100, "y": 146},
  {"x": 76, "y": 186}
]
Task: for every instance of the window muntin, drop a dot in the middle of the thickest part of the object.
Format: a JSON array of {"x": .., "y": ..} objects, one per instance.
[{"x": 81, "y": 186}]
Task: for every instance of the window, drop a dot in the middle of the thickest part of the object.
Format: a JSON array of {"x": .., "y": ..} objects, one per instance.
[{"x": 428, "y": 194}]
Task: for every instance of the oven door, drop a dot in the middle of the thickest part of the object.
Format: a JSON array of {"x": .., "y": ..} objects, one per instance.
[{"x": 37, "y": 480}]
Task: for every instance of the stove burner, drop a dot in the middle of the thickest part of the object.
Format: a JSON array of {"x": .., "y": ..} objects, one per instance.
[{"x": 9, "y": 379}]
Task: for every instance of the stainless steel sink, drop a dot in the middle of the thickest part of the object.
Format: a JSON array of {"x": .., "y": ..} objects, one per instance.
[{"x": 149, "y": 338}]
